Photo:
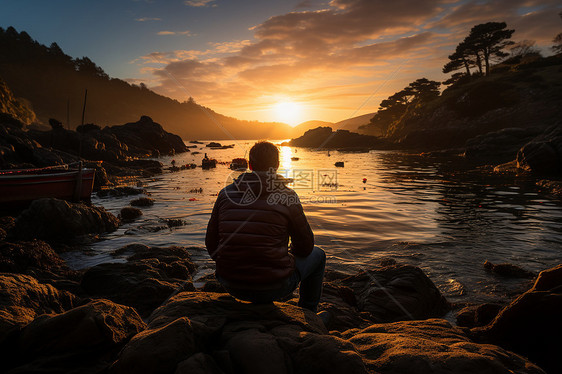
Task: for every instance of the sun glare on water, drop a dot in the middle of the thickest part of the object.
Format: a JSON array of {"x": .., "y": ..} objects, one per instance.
[{"x": 288, "y": 112}]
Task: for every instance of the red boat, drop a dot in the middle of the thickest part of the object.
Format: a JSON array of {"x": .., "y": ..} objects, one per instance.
[{"x": 20, "y": 187}]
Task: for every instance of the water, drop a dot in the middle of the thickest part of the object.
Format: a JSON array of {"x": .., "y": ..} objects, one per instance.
[{"x": 438, "y": 214}]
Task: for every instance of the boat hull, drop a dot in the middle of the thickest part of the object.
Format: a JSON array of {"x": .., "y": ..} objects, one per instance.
[{"x": 18, "y": 188}]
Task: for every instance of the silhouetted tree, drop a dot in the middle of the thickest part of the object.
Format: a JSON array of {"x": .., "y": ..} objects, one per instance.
[
  {"x": 424, "y": 90},
  {"x": 88, "y": 67},
  {"x": 490, "y": 39},
  {"x": 394, "y": 107},
  {"x": 460, "y": 59},
  {"x": 484, "y": 43}
]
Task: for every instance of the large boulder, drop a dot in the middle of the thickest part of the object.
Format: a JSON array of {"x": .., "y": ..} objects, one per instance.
[
  {"x": 429, "y": 347},
  {"x": 396, "y": 292},
  {"x": 22, "y": 299},
  {"x": 543, "y": 155},
  {"x": 59, "y": 220},
  {"x": 217, "y": 333},
  {"x": 531, "y": 324},
  {"x": 145, "y": 281},
  {"x": 82, "y": 339}
]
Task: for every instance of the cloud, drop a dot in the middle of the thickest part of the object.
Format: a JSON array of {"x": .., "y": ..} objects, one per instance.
[
  {"x": 347, "y": 44},
  {"x": 146, "y": 19},
  {"x": 199, "y": 3},
  {"x": 187, "y": 32}
]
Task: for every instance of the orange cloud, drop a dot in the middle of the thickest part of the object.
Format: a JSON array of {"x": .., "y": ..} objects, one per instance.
[{"x": 339, "y": 56}]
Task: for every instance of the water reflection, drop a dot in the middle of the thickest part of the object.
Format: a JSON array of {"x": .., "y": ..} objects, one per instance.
[{"x": 432, "y": 213}]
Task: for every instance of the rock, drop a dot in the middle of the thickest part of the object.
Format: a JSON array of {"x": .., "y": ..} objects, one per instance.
[
  {"x": 59, "y": 220},
  {"x": 507, "y": 168},
  {"x": 554, "y": 187},
  {"x": 158, "y": 351},
  {"x": 431, "y": 346},
  {"x": 531, "y": 324},
  {"x": 214, "y": 145},
  {"x": 38, "y": 259},
  {"x": 175, "y": 222},
  {"x": 341, "y": 303},
  {"x": 477, "y": 315},
  {"x": 499, "y": 146},
  {"x": 22, "y": 299},
  {"x": 129, "y": 213},
  {"x": 149, "y": 277},
  {"x": 81, "y": 339},
  {"x": 142, "y": 201},
  {"x": 216, "y": 333},
  {"x": 396, "y": 292},
  {"x": 508, "y": 270},
  {"x": 543, "y": 155}
]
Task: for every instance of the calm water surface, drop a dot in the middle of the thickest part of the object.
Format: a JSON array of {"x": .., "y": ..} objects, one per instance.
[{"x": 433, "y": 213}]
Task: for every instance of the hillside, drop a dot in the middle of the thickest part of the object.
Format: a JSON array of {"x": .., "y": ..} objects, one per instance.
[
  {"x": 523, "y": 95},
  {"x": 354, "y": 123},
  {"x": 53, "y": 82}
]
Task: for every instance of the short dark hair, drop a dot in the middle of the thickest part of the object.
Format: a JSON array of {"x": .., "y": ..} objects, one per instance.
[{"x": 263, "y": 156}]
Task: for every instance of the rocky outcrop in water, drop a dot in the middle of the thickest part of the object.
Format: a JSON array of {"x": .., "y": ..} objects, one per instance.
[
  {"x": 543, "y": 155},
  {"x": 324, "y": 138},
  {"x": 62, "y": 221},
  {"x": 499, "y": 146},
  {"x": 110, "y": 149}
]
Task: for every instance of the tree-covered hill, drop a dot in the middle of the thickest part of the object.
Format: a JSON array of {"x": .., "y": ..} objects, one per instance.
[
  {"x": 55, "y": 83},
  {"x": 496, "y": 84}
]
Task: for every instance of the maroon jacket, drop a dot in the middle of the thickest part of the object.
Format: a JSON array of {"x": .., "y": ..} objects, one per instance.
[{"x": 248, "y": 233}]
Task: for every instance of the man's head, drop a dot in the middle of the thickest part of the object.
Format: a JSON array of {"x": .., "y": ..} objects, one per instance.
[{"x": 263, "y": 156}]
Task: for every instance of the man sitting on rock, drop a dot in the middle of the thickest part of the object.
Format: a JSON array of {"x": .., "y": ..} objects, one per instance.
[{"x": 248, "y": 236}]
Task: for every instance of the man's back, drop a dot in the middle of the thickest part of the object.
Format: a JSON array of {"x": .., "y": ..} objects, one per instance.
[{"x": 249, "y": 230}]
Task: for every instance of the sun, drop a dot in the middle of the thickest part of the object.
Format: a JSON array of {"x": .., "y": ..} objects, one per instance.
[{"x": 288, "y": 112}]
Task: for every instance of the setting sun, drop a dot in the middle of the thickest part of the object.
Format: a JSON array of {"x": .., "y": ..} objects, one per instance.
[{"x": 288, "y": 112}]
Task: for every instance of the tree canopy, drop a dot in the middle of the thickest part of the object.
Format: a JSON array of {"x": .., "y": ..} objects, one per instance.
[
  {"x": 484, "y": 44},
  {"x": 391, "y": 109}
]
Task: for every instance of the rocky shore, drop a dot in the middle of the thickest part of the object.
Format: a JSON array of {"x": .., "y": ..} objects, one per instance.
[
  {"x": 115, "y": 152},
  {"x": 144, "y": 315}
]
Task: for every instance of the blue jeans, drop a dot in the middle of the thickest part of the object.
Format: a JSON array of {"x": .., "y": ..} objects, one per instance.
[{"x": 309, "y": 273}]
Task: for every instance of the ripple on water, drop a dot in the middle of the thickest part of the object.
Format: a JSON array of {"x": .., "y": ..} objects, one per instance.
[{"x": 425, "y": 212}]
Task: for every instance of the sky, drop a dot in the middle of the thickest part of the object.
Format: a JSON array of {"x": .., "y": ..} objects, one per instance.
[{"x": 288, "y": 61}]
